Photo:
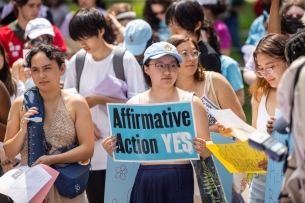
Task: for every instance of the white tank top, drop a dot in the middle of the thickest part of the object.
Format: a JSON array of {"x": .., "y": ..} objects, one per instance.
[{"x": 262, "y": 115}]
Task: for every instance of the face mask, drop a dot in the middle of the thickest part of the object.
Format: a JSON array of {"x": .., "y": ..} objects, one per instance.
[
  {"x": 266, "y": 7},
  {"x": 292, "y": 25}
]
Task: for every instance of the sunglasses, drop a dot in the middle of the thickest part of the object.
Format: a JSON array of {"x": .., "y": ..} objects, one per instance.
[
  {"x": 159, "y": 13},
  {"x": 290, "y": 17},
  {"x": 38, "y": 41}
]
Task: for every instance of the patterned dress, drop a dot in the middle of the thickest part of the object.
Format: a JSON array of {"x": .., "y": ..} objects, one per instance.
[{"x": 62, "y": 133}]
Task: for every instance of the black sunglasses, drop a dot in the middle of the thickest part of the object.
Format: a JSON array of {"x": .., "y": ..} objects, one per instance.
[
  {"x": 46, "y": 40},
  {"x": 160, "y": 13}
]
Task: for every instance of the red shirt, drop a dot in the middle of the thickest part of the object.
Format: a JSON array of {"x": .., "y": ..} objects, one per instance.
[{"x": 14, "y": 46}]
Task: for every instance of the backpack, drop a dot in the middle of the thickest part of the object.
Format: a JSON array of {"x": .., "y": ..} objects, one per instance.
[
  {"x": 291, "y": 100},
  {"x": 118, "y": 66}
]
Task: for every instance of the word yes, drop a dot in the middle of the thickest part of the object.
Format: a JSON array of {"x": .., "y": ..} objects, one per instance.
[{"x": 179, "y": 139}]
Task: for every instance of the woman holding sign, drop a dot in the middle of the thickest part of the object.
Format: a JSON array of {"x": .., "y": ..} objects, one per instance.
[{"x": 171, "y": 181}]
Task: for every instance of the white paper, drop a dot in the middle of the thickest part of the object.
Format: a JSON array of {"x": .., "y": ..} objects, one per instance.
[
  {"x": 23, "y": 183},
  {"x": 227, "y": 118}
]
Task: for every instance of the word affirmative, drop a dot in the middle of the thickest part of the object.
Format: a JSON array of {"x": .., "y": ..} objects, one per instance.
[{"x": 167, "y": 119}]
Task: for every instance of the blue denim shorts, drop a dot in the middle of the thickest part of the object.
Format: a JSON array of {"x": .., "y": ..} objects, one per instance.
[{"x": 163, "y": 184}]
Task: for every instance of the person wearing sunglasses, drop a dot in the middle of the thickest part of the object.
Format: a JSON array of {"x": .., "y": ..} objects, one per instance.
[
  {"x": 154, "y": 14},
  {"x": 37, "y": 32},
  {"x": 291, "y": 15}
]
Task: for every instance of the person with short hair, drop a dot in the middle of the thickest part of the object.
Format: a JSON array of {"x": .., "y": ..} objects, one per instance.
[
  {"x": 88, "y": 28},
  {"x": 12, "y": 35},
  {"x": 9, "y": 13},
  {"x": 67, "y": 118}
]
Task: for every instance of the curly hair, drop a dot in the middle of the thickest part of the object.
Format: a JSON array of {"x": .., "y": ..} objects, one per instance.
[
  {"x": 6, "y": 75},
  {"x": 148, "y": 14},
  {"x": 52, "y": 52},
  {"x": 295, "y": 46},
  {"x": 272, "y": 45},
  {"x": 176, "y": 40}
]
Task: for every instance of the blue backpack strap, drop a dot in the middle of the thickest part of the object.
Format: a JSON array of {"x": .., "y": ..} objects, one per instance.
[
  {"x": 118, "y": 66},
  {"x": 36, "y": 144},
  {"x": 79, "y": 66}
]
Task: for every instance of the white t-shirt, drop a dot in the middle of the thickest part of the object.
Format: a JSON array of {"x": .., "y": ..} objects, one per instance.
[
  {"x": 93, "y": 73},
  {"x": 20, "y": 90},
  {"x": 250, "y": 65}
]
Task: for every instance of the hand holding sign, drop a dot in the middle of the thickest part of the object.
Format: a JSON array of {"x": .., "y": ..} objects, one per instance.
[
  {"x": 200, "y": 145},
  {"x": 109, "y": 144}
]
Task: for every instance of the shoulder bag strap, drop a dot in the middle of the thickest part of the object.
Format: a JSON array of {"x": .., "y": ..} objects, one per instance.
[
  {"x": 17, "y": 30},
  {"x": 118, "y": 66},
  {"x": 79, "y": 66},
  {"x": 212, "y": 88}
]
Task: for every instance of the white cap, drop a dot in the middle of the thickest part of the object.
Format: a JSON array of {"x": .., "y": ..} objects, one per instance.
[
  {"x": 207, "y": 2},
  {"x": 38, "y": 27}
]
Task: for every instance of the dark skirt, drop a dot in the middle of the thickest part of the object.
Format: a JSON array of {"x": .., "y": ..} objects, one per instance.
[{"x": 163, "y": 184}]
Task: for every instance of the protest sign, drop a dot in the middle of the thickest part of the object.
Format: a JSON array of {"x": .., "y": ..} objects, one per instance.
[
  {"x": 159, "y": 132},
  {"x": 225, "y": 176},
  {"x": 275, "y": 175},
  {"x": 238, "y": 157},
  {"x": 120, "y": 177}
]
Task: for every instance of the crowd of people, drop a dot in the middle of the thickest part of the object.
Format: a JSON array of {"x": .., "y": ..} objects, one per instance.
[{"x": 179, "y": 51}]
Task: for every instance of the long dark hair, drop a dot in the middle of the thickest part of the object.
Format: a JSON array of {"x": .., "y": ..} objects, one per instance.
[
  {"x": 5, "y": 74},
  {"x": 213, "y": 38},
  {"x": 148, "y": 14}
]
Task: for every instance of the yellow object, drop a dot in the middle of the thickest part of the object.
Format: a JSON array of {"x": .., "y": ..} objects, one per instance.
[{"x": 238, "y": 157}]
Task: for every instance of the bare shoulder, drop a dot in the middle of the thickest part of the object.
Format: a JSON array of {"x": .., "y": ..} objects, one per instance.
[
  {"x": 17, "y": 104},
  {"x": 72, "y": 99},
  {"x": 143, "y": 98},
  {"x": 17, "y": 109},
  {"x": 197, "y": 102},
  {"x": 219, "y": 80}
]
